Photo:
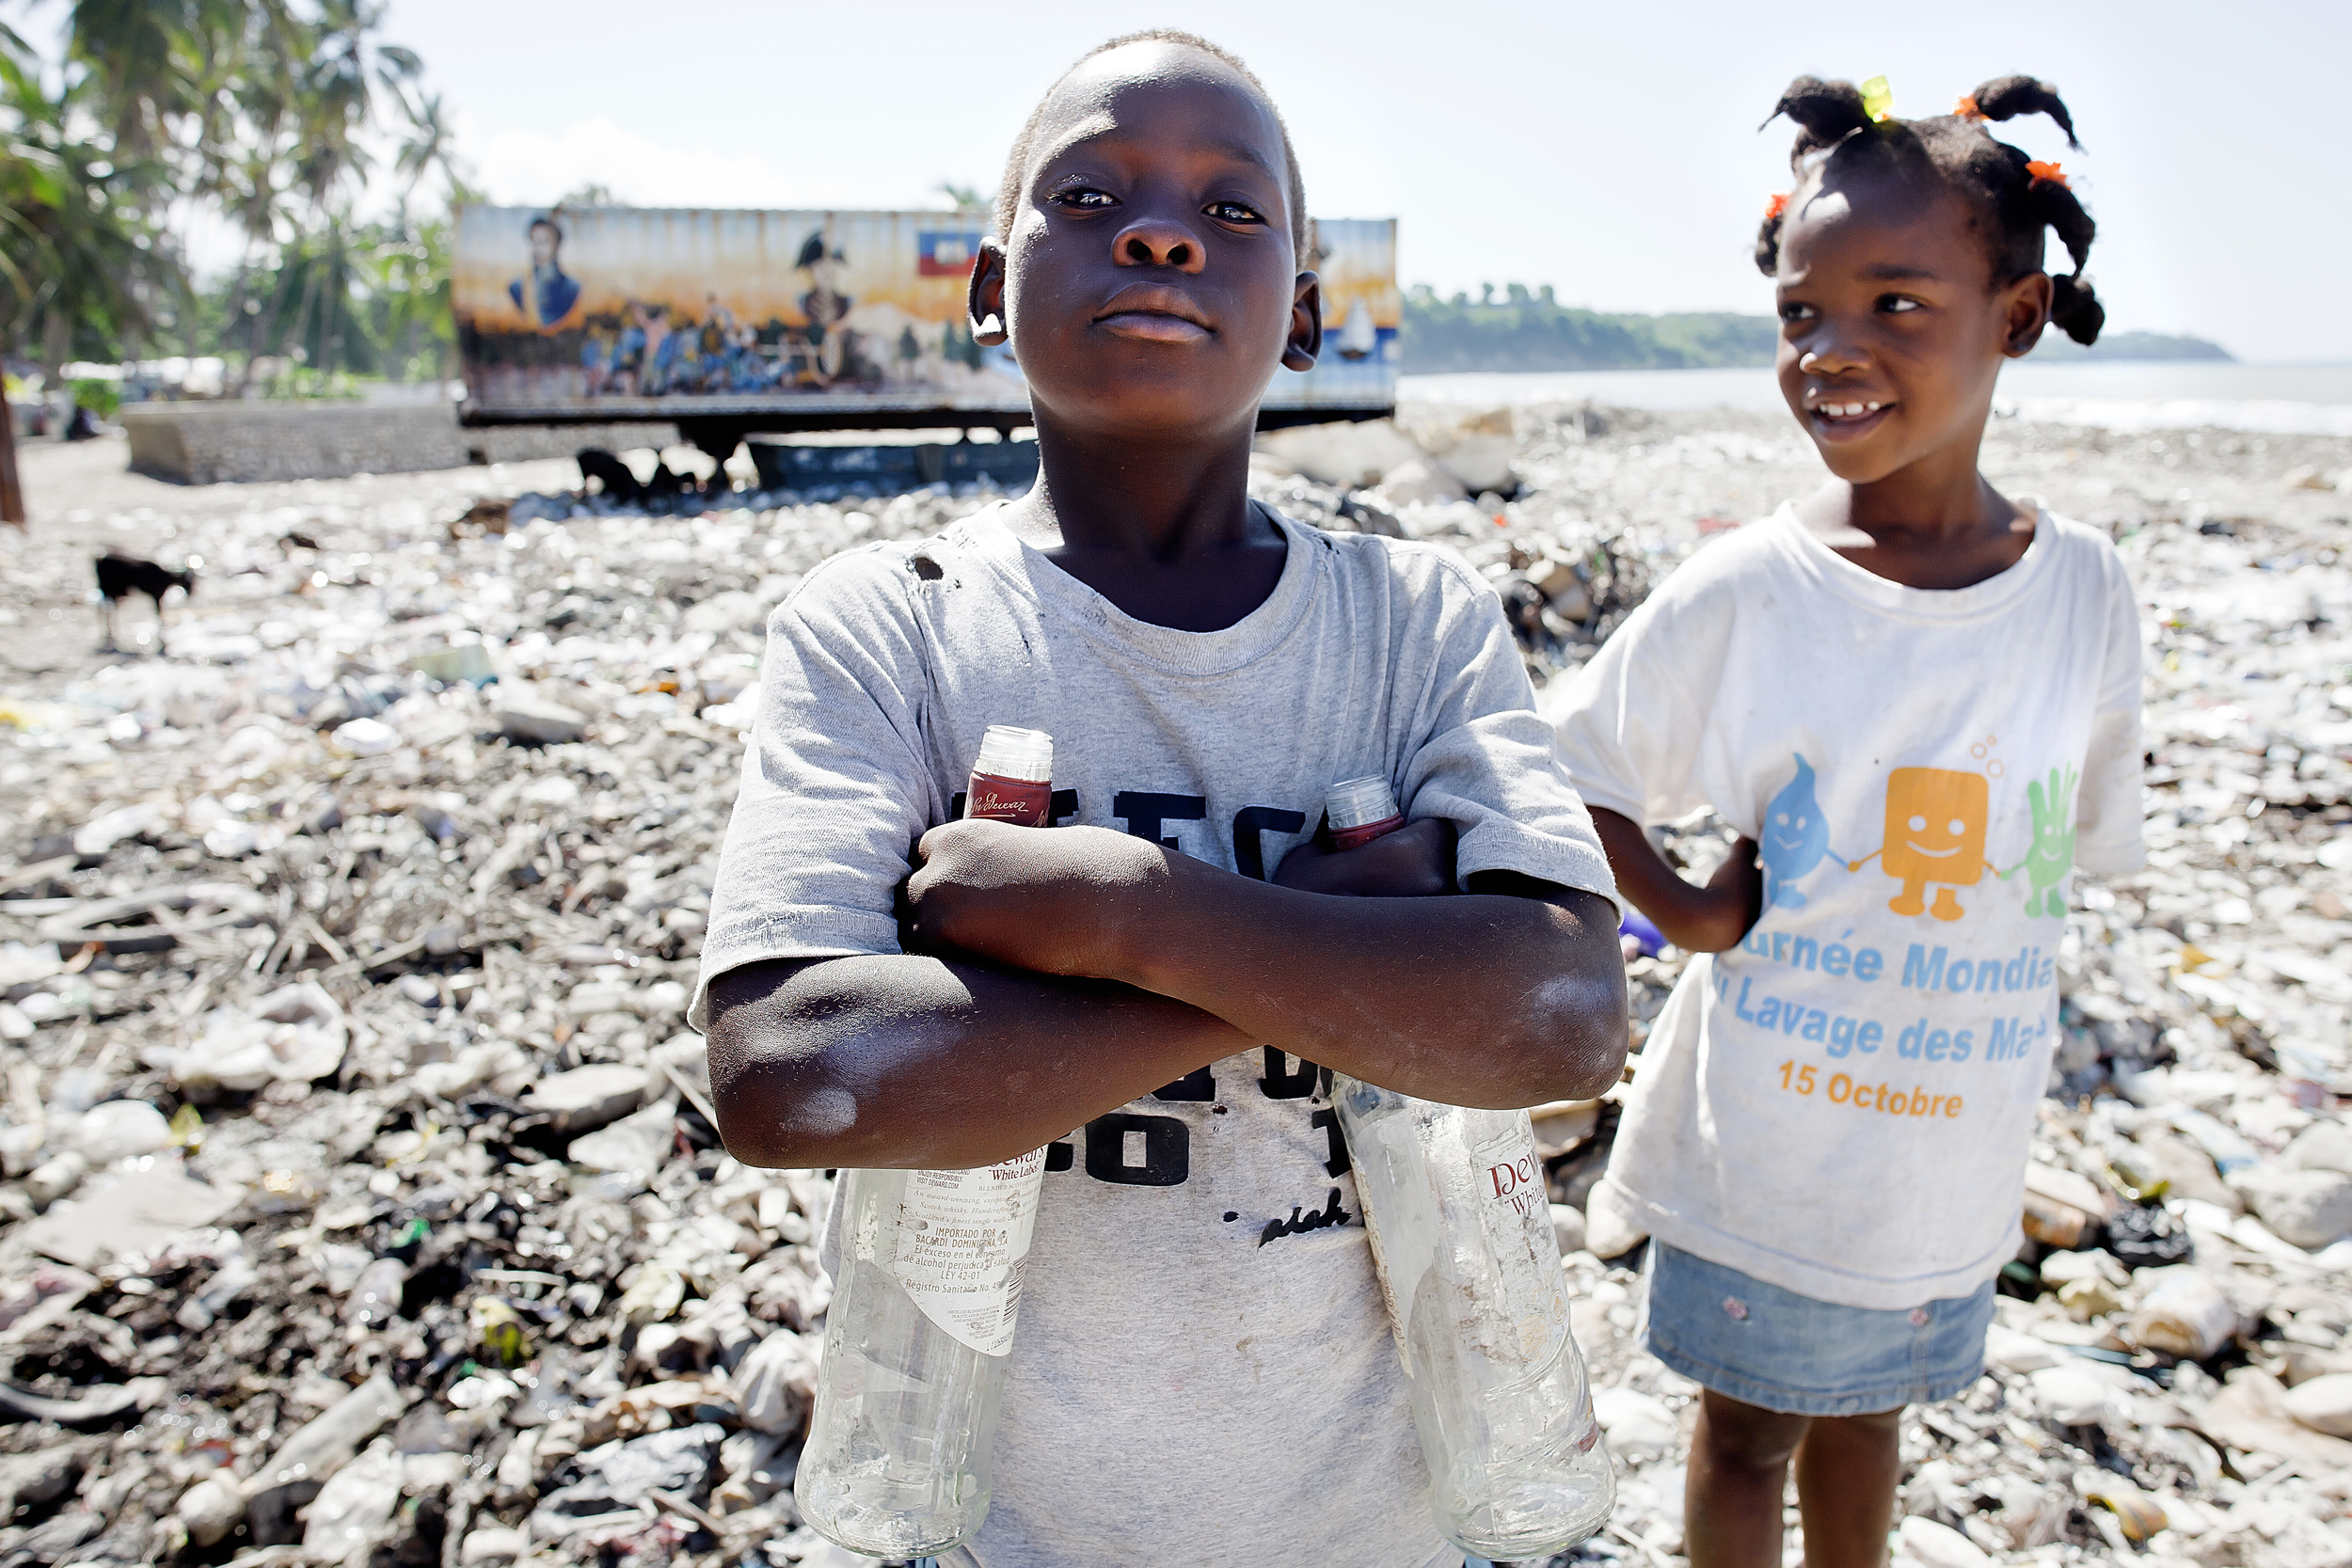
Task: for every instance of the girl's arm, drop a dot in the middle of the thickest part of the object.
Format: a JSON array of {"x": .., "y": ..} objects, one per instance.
[
  {"x": 1697, "y": 919},
  {"x": 1108, "y": 967}
]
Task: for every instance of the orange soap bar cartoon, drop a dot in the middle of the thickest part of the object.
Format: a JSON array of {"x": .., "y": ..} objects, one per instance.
[{"x": 1935, "y": 835}]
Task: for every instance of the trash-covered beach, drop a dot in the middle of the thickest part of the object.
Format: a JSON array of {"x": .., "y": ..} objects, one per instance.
[{"x": 362, "y": 1202}]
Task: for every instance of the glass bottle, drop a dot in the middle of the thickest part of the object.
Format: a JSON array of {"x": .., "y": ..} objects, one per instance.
[
  {"x": 1459, "y": 1218},
  {"x": 898, "y": 1461}
]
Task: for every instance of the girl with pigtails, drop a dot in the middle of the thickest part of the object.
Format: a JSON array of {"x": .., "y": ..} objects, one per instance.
[{"x": 1918, "y": 700}]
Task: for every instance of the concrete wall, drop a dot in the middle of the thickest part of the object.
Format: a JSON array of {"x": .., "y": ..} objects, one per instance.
[{"x": 209, "y": 443}]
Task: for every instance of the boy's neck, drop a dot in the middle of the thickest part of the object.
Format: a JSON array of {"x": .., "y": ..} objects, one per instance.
[
  {"x": 1937, "y": 523},
  {"x": 1164, "y": 529}
]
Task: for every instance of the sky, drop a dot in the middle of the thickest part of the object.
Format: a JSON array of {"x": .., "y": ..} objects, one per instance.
[{"x": 1609, "y": 150}]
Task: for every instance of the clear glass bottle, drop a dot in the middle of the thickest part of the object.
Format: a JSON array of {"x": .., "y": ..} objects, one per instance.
[
  {"x": 898, "y": 1461},
  {"x": 1459, "y": 1218}
]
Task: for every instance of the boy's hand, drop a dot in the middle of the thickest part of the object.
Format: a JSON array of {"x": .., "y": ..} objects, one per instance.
[
  {"x": 1051, "y": 900},
  {"x": 1414, "y": 861}
]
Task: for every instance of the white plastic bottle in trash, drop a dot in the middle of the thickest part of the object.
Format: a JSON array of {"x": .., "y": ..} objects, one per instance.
[
  {"x": 1460, "y": 1221},
  {"x": 897, "y": 1463}
]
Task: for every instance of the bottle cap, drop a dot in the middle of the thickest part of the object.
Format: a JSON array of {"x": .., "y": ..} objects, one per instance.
[
  {"x": 1359, "y": 803},
  {"x": 1009, "y": 753}
]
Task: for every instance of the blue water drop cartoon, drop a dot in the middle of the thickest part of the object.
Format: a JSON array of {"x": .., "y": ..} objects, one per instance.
[{"x": 1794, "y": 840}]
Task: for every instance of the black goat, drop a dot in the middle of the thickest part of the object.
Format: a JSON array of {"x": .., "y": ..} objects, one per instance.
[
  {"x": 619, "y": 483},
  {"x": 121, "y": 576}
]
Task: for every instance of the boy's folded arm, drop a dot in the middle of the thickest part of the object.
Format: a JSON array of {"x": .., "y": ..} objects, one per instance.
[
  {"x": 908, "y": 1061},
  {"x": 1486, "y": 999},
  {"x": 1511, "y": 994}
]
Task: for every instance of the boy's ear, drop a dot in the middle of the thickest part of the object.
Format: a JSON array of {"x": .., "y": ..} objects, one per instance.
[
  {"x": 984, "y": 298},
  {"x": 2028, "y": 308},
  {"x": 1306, "y": 338}
]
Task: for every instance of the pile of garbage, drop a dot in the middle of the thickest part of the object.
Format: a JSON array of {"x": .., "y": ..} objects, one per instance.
[{"x": 362, "y": 1199}]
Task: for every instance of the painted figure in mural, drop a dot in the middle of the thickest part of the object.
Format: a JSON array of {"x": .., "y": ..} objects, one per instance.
[
  {"x": 824, "y": 305},
  {"x": 548, "y": 295}
]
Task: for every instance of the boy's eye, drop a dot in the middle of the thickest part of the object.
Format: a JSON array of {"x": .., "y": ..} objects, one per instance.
[
  {"x": 1792, "y": 311},
  {"x": 1895, "y": 304},
  {"x": 1084, "y": 199},
  {"x": 1233, "y": 212}
]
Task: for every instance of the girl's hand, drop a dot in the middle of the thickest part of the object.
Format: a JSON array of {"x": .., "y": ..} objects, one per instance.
[
  {"x": 1696, "y": 919},
  {"x": 1715, "y": 917},
  {"x": 1055, "y": 901},
  {"x": 1414, "y": 861}
]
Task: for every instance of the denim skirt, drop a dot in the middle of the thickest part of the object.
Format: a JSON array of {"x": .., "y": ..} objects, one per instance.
[{"x": 1775, "y": 1349}]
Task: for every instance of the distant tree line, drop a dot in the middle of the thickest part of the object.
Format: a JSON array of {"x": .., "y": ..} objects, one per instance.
[{"x": 1531, "y": 330}]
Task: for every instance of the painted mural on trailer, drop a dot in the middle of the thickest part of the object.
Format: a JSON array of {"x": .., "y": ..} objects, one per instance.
[{"x": 610, "y": 310}]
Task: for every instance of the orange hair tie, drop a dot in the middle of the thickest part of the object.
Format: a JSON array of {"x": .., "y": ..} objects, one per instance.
[
  {"x": 1776, "y": 206},
  {"x": 1966, "y": 108},
  {"x": 2041, "y": 171}
]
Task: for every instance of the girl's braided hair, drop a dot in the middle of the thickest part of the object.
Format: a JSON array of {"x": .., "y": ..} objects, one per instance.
[{"x": 2016, "y": 204}]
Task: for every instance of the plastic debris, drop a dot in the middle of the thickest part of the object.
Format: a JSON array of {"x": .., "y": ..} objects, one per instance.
[{"x": 350, "y": 1131}]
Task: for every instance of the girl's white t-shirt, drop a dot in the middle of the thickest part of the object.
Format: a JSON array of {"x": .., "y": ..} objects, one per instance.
[{"x": 1841, "y": 1105}]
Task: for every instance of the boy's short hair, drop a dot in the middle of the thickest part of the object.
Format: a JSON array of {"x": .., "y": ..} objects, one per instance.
[{"x": 1017, "y": 163}]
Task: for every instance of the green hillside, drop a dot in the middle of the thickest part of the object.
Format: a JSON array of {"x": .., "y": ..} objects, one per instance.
[{"x": 1529, "y": 331}]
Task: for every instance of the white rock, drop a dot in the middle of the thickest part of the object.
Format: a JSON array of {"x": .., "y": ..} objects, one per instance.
[
  {"x": 354, "y": 1509},
  {"x": 776, "y": 1382},
  {"x": 293, "y": 1035},
  {"x": 588, "y": 1098},
  {"x": 2322, "y": 1146},
  {"x": 634, "y": 1143},
  {"x": 1608, "y": 1231},
  {"x": 1348, "y": 454},
  {"x": 1637, "y": 1424},
  {"x": 525, "y": 713},
  {"x": 1940, "y": 1545},
  {"x": 2308, "y": 1208},
  {"x": 1481, "y": 462},
  {"x": 118, "y": 1127},
  {"x": 54, "y": 1178},
  {"x": 103, "y": 832},
  {"x": 2185, "y": 1315},
  {"x": 2323, "y": 1403},
  {"x": 2018, "y": 1352},
  {"x": 1420, "y": 481},
  {"x": 210, "y": 1509},
  {"x": 496, "y": 1543},
  {"x": 2074, "y": 1397},
  {"x": 364, "y": 737},
  {"x": 1567, "y": 1228}
]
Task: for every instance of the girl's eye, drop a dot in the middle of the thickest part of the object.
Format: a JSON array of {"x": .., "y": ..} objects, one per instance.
[
  {"x": 1896, "y": 305},
  {"x": 1233, "y": 212},
  {"x": 1084, "y": 199}
]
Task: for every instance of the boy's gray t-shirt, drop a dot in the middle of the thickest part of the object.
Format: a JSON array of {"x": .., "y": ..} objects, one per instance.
[{"x": 1204, "y": 1375}]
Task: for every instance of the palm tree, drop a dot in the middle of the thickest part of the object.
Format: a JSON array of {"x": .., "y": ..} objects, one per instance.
[
  {"x": 82, "y": 265},
  {"x": 429, "y": 145}
]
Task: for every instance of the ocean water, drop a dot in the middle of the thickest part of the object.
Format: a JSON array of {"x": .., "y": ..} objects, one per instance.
[{"x": 2311, "y": 400}]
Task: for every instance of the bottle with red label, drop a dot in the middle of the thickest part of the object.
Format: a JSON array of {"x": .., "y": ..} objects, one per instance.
[
  {"x": 1459, "y": 1217},
  {"x": 898, "y": 1461}
]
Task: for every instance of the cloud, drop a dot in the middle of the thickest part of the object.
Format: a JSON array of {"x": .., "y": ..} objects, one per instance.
[{"x": 528, "y": 167}]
